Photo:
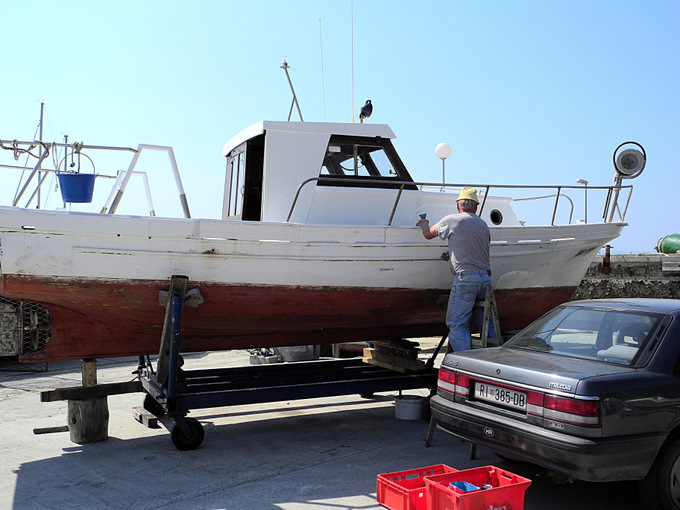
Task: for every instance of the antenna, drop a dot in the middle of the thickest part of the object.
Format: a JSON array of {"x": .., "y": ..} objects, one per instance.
[
  {"x": 323, "y": 80},
  {"x": 40, "y": 137},
  {"x": 352, "y": 41},
  {"x": 285, "y": 67}
]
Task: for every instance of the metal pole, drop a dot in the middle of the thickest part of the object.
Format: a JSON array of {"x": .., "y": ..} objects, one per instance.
[
  {"x": 585, "y": 198},
  {"x": 37, "y": 189},
  {"x": 123, "y": 184},
  {"x": 178, "y": 181},
  {"x": 176, "y": 340},
  {"x": 557, "y": 199},
  {"x": 443, "y": 173},
  {"x": 615, "y": 198},
  {"x": 285, "y": 67},
  {"x": 40, "y": 135},
  {"x": 30, "y": 177}
]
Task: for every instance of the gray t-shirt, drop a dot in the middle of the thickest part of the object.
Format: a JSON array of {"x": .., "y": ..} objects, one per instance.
[{"x": 469, "y": 240}]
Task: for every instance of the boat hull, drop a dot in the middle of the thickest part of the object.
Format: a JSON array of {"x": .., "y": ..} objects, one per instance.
[
  {"x": 264, "y": 284},
  {"x": 104, "y": 319}
]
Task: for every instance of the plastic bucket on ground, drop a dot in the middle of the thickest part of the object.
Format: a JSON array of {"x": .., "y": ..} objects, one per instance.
[
  {"x": 76, "y": 188},
  {"x": 409, "y": 407}
]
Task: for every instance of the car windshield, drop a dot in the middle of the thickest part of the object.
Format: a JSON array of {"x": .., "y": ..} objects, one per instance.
[{"x": 613, "y": 336}]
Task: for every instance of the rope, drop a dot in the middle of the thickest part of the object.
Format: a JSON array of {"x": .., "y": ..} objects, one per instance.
[{"x": 18, "y": 151}]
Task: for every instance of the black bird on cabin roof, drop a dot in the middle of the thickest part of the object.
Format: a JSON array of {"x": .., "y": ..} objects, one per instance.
[{"x": 366, "y": 111}]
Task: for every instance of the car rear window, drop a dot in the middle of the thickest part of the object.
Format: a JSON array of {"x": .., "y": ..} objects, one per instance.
[{"x": 611, "y": 336}]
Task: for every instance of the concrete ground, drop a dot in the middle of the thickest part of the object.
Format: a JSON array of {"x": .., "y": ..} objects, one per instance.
[{"x": 316, "y": 454}]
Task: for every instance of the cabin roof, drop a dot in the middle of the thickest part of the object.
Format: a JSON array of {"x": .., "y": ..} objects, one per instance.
[{"x": 330, "y": 128}]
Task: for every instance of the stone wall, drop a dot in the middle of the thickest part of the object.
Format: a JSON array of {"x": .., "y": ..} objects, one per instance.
[{"x": 648, "y": 275}]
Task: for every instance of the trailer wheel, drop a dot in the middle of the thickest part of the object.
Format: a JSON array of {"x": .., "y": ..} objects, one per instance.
[{"x": 195, "y": 438}]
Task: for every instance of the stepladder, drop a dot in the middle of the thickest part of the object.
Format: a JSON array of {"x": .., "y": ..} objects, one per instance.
[{"x": 490, "y": 335}]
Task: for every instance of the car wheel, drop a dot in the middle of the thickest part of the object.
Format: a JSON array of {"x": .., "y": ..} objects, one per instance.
[{"x": 660, "y": 490}]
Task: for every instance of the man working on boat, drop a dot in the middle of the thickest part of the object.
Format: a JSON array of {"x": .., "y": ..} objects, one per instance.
[{"x": 469, "y": 239}]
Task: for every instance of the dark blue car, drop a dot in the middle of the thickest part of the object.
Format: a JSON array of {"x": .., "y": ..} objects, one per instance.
[{"x": 590, "y": 391}]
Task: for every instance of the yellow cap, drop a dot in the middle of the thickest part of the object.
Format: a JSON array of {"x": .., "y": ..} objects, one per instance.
[{"x": 468, "y": 193}]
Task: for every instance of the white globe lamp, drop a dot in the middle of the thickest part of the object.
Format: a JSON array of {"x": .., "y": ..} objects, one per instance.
[{"x": 443, "y": 151}]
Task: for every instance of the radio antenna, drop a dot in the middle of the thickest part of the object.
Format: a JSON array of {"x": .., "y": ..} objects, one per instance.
[
  {"x": 352, "y": 43},
  {"x": 323, "y": 80}
]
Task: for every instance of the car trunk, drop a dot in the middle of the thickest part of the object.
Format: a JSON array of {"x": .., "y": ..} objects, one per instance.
[
  {"x": 534, "y": 387},
  {"x": 532, "y": 368}
]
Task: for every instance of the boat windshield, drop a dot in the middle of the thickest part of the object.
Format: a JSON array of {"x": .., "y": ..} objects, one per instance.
[
  {"x": 357, "y": 161},
  {"x": 609, "y": 335}
]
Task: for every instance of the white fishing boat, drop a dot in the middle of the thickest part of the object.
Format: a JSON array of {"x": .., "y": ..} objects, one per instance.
[{"x": 316, "y": 244}]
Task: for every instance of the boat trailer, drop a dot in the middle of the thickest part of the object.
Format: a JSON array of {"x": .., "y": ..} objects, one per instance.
[{"x": 171, "y": 391}]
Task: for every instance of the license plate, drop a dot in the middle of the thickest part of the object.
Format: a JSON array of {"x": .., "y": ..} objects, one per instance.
[{"x": 500, "y": 396}]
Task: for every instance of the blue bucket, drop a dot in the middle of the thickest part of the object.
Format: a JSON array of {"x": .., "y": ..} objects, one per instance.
[{"x": 76, "y": 188}]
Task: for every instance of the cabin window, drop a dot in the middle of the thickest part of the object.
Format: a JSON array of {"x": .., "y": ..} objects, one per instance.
[
  {"x": 357, "y": 160},
  {"x": 364, "y": 162}
]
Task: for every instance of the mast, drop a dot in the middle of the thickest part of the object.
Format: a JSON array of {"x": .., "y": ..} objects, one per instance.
[{"x": 40, "y": 137}]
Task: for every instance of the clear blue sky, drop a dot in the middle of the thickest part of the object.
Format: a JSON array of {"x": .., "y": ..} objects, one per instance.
[{"x": 524, "y": 91}]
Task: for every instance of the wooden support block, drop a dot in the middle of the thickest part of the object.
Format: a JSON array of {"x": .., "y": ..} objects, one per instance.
[
  {"x": 89, "y": 372},
  {"x": 401, "y": 349},
  {"x": 82, "y": 392},
  {"x": 384, "y": 365},
  {"x": 145, "y": 417},
  {"x": 50, "y": 430},
  {"x": 88, "y": 420},
  {"x": 398, "y": 343},
  {"x": 397, "y": 363}
]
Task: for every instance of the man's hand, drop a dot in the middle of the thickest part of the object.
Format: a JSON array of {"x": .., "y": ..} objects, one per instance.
[
  {"x": 445, "y": 256},
  {"x": 428, "y": 232}
]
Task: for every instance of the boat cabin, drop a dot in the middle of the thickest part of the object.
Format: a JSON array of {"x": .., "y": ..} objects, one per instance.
[{"x": 330, "y": 174}]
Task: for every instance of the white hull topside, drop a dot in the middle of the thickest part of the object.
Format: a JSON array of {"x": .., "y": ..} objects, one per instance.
[{"x": 86, "y": 246}]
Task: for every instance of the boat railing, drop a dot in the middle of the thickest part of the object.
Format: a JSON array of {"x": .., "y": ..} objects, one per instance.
[
  {"x": 610, "y": 206},
  {"x": 121, "y": 179}
]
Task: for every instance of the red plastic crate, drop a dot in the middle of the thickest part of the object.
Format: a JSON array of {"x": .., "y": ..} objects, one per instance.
[
  {"x": 506, "y": 492},
  {"x": 405, "y": 490}
]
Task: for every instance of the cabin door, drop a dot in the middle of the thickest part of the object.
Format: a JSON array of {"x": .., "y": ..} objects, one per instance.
[
  {"x": 243, "y": 183},
  {"x": 234, "y": 182}
]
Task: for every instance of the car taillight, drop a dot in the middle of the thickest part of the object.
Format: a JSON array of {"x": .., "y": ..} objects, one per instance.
[
  {"x": 454, "y": 383},
  {"x": 584, "y": 413}
]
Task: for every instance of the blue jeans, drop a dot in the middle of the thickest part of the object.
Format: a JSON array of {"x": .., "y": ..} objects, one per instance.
[{"x": 468, "y": 287}]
